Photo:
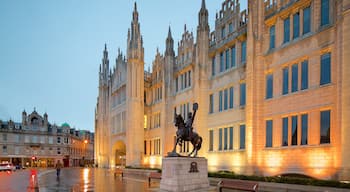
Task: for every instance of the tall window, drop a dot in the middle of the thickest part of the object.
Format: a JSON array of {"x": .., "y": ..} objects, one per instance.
[
  {"x": 294, "y": 77},
  {"x": 211, "y": 140},
  {"x": 272, "y": 37},
  {"x": 227, "y": 53},
  {"x": 242, "y": 136},
  {"x": 223, "y": 32},
  {"x": 145, "y": 147},
  {"x": 225, "y": 138},
  {"x": 231, "y": 97},
  {"x": 269, "y": 86},
  {"x": 242, "y": 101},
  {"x": 286, "y": 26},
  {"x": 294, "y": 130},
  {"x": 177, "y": 84},
  {"x": 4, "y": 149},
  {"x": 211, "y": 103},
  {"x": 233, "y": 57},
  {"x": 296, "y": 26},
  {"x": 220, "y": 101},
  {"x": 230, "y": 28},
  {"x": 325, "y": 132},
  {"x": 213, "y": 66},
  {"x": 269, "y": 125},
  {"x": 231, "y": 139},
  {"x": 304, "y": 75},
  {"x": 324, "y": 12},
  {"x": 4, "y": 137},
  {"x": 285, "y": 88},
  {"x": 325, "y": 69},
  {"x": 285, "y": 131},
  {"x": 306, "y": 20},
  {"x": 182, "y": 82},
  {"x": 225, "y": 99},
  {"x": 304, "y": 129},
  {"x": 220, "y": 139},
  {"x": 222, "y": 62},
  {"x": 189, "y": 79},
  {"x": 244, "y": 52}
]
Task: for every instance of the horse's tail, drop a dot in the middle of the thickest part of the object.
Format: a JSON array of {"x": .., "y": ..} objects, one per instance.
[{"x": 200, "y": 143}]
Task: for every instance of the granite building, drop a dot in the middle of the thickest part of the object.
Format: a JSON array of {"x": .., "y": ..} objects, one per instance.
[
  {"x": 35, "y": 142},
  {"x": 272, "y": 85}
]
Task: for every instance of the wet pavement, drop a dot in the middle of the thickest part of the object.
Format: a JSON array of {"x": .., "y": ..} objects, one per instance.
[
  {"x": 91, "y": 179},
  {"x": 18, "y": 181}
]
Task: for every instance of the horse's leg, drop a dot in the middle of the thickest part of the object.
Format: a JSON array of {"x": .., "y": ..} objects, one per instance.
[
  {"x": 177, "y": 141},
  {"x": 194, "y": 148}
]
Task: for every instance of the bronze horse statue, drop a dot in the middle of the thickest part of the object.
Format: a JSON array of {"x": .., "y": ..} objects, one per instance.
[{"x": 184, "y": 133}]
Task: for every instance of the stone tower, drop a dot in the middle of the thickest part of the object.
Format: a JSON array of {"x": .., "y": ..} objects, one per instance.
[
  {"x": 102, "y": 111},
  {"x": 135, "y": 93},
  {"x": 201, "y": 72}
]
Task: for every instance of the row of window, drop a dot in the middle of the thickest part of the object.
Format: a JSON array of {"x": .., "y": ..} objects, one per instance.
[
  {"x": 225, "y": 138},
  {"x": 154, "y": 147},
  {"x": 226, "y": 98},
  {"x": 325, "y": 129},
  {"x": 154, "y": 120},
  {"x": 185, "y": 81},
  {"x": 306, "y": 21},
  {"x": 35, "y": 139},
  {"x": 17, "y": 150},
  {"x": 224, "y": 29},
  {"x": 325, "y": 76},
  {"x": 228, "y": 58},
  {"x": 157, "y": 94}
]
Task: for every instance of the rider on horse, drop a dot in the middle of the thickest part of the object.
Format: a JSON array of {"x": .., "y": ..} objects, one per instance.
[{"x": 188, "y": 125}]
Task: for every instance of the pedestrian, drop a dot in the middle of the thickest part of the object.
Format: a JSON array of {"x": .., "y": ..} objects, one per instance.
[{"x": 58, "y": 167}]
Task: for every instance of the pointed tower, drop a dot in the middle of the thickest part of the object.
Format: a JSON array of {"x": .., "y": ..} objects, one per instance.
[
  {"x": 169, "y": 51},
  {"x": 168, "y": 87},
  {"x": 201, "y": 71},
  {"x": 203, "y": 18},
  {"x": 135, "y": 93},
  {"x": 101, "y": 119}
]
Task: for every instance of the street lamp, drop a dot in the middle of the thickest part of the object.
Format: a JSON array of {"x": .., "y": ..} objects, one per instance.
[{"x": 85, "y": 142}]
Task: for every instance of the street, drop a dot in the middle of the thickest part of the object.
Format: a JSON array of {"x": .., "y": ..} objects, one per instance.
[
  {"x": 21, "y": 180},
  {"x": 90, "y": 179}
]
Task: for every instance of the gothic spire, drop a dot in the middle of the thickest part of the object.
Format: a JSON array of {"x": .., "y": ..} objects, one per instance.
[
  {"x": 203, "y": 5},
  {"x": 169, "y": 33},
  {"x": 203, "y": 17},
  {"x": 169, "y": 44},
  {"x": 135, "y": 47}
]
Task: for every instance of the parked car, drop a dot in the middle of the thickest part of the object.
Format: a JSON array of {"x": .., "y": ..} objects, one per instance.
[{"x": 7, "y": 167}]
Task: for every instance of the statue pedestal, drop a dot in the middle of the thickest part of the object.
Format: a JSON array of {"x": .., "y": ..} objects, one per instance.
[{"x": 184, "y": 174}]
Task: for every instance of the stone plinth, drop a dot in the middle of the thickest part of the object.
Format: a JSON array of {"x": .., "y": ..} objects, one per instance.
[{"x": 184, "y": 174}]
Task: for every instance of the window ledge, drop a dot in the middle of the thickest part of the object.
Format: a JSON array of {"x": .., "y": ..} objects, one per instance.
[{"x": 293, "y": 147}]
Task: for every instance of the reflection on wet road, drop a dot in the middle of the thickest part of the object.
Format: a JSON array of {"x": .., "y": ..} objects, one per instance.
[{"x": 91, "y": 179}]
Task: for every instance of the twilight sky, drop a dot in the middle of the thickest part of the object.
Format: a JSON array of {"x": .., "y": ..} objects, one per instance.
[{"x": 50, "y": 50}]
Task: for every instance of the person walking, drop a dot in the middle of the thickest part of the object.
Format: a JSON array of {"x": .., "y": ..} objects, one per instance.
[{"x": 58, "y": 167}]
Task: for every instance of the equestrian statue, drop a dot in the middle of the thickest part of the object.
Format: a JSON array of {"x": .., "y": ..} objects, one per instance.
[{"x": 185, "y": 133}]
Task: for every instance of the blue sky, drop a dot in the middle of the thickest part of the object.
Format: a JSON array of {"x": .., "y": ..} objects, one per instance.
[{"x": 50, "y": 50}]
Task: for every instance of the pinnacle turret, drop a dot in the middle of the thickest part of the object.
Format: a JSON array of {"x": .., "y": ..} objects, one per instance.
[
  {"x": 169, "y": 51},
  {"x": 135, "y": 44},
  {"x": 203, "y": 17}
]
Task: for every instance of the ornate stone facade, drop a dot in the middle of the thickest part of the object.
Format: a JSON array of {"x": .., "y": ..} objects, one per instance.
[
  {"x": 272, "y": 85},
  {"x": 37, "y": 143}
]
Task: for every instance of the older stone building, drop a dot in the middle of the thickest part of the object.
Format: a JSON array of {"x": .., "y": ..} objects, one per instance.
[
  {"x": 37, "y": 143},
  {"x": 272, "y": 85}
]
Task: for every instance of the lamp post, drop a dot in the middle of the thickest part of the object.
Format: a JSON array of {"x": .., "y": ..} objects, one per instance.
[{"x": 85, "y": 143}]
